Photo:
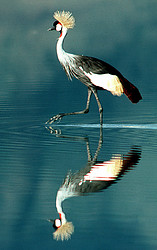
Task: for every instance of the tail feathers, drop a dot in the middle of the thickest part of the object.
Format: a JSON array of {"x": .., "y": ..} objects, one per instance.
[{"x": 131, "y": 91}]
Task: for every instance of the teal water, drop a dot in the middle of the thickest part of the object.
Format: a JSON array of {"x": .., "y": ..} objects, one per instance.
[{"x": 34, "y": 163}]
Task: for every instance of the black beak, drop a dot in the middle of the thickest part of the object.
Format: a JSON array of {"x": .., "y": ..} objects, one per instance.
[
  {"x": 50, "y": 220},
  {"x": 50, "y": 29}
]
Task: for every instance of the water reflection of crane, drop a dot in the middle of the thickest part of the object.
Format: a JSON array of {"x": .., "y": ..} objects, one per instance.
[{"x": 94, "y": 177}]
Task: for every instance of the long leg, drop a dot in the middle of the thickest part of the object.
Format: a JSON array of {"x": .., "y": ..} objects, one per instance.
[
  {"x": 88, "y": 152},
  {"x": 99, "y": 105},
  {"x": 99, "y": 145},
  {"x": 86, "y": 110}
]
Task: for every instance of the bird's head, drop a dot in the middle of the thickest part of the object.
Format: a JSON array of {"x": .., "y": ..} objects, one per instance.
[
  {"x": 63, "y": 230},
  {"x": 56, "y": 223},
  {"x": 56, "y": 26},
  {"x": 64, "y": 19}
]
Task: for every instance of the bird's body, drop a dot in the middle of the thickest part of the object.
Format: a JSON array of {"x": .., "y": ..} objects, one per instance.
[{"x": 94, "y": 73}]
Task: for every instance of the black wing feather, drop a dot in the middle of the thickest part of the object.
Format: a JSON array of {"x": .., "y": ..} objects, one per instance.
[{"x": 96, "y": 66}]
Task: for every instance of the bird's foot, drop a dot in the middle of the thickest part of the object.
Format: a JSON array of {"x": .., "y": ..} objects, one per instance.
[
  {"x": 54, "y": 118},
  {"x": 56, "y": 132}
]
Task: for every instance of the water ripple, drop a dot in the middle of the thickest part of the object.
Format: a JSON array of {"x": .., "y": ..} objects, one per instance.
[{"x": 133, "y": 126}]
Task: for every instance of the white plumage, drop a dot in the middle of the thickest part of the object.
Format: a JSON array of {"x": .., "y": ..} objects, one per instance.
[{"x": 107, "y": 82}]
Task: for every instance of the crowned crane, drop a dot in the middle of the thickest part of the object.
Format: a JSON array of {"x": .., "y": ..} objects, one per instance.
[
  {"x": 94, "y": 73},
  {"x": 96, "y": 176}
]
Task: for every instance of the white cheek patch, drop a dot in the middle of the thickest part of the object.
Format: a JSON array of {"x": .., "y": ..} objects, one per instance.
[
  {"x": 58, "y": 27},
  {"x": 57, "y": 223}
]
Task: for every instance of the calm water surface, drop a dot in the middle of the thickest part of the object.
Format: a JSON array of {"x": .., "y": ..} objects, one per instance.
[
  {"x": 34, "y": 162},
  {"x": 34, "y": 159}
]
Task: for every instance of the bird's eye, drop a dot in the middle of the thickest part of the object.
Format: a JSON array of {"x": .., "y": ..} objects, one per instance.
[{"x": 58, "y": 27}]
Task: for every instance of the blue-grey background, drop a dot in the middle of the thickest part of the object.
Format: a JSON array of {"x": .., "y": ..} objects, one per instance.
[{"x": 34, "y": 87}]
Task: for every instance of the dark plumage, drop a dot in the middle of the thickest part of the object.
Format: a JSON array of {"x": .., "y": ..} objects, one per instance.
[{"x": 96, "y": 66}]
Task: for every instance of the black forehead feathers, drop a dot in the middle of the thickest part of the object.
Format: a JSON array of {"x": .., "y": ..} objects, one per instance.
[
  {"x": 55, "y": 23},
  {"x": 54, "y": 225}
]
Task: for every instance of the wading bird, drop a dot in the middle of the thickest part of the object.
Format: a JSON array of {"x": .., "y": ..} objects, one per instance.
[
  {"x": 96, "y": 176},
  {"x": 94, "y": 73}
]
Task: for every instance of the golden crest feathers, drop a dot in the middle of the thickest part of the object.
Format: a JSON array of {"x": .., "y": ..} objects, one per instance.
[
  {"x": 65, "y": 18},
  {"x": 64, "y": 232}
]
